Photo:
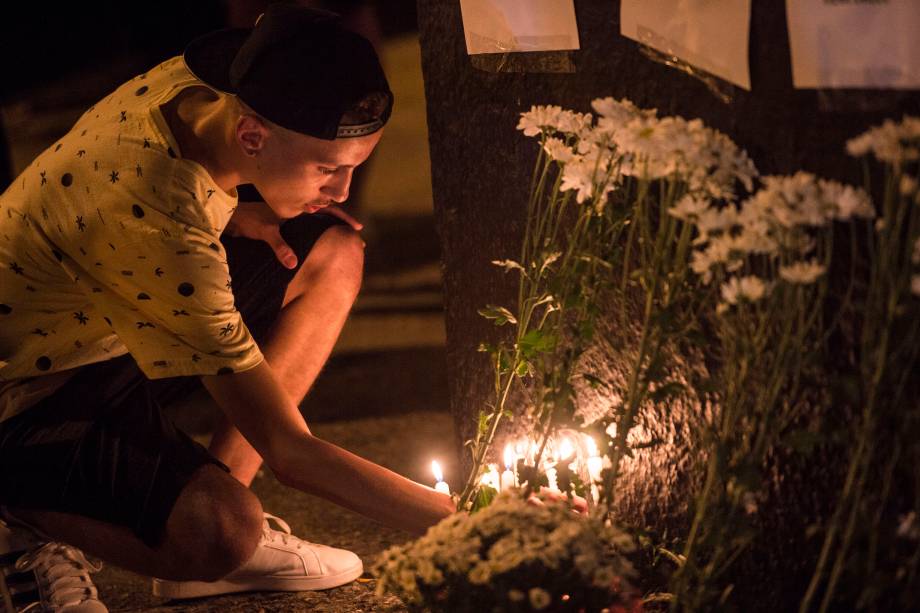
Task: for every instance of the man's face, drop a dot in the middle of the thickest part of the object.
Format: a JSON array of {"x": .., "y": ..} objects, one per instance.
[{"x": 301, "y": 174}]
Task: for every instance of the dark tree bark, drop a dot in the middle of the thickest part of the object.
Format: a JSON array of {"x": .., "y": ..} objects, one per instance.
[{"x": 481, "y": 169}]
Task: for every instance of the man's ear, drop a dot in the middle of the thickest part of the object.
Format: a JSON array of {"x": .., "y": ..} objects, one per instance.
[{"x": 251, "y": 133}]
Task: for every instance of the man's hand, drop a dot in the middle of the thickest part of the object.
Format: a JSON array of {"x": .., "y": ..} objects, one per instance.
[
  {"x": 337, "y": 211},
  {"x": 578, "y": 504},
  {"x": 257, "y": 221}
]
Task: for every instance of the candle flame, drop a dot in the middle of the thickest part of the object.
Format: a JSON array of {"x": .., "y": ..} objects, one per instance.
[
  {"x": 436, "y": 469},
  {"x": 509, "y": 456},
  {"x": 566, "y": 449},
  {"x": 591, "y": 446}
]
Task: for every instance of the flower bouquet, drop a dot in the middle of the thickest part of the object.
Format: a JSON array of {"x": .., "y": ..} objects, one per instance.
[{"x": 513, "y": 556}]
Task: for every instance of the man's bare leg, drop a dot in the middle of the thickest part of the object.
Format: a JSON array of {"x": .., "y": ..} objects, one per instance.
[
  {"x": 213, "y": 529},
  {"x": 313, "y": 313}
]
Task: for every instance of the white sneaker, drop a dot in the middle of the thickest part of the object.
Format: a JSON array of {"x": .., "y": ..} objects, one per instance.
[
  {"x": 40, "y": 576},
  {"x": 282, "y": 562}
]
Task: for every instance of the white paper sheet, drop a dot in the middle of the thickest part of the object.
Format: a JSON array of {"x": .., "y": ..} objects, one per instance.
[
  {"x": 709, "y": 34},
  {"x": 854, "y": 43},
  {"x": 498, "y": 26}
]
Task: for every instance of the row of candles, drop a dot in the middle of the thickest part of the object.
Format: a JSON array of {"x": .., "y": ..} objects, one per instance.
[{"x": 591, "y": 467}]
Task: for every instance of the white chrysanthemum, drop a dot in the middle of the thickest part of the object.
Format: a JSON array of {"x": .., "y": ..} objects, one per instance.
[
  {"x": 558, "y": 150},
  {"x": 689, "y": 207},
  {"x": 850, "y": 201},
  {"x": 893, "y": 143},
  {"x": 619, "y": 111},
  {"x": 804, "y": 200},
  {"x": 802, "y": 273},
  {"x": 573, "y": 123},
  {"x": 591, "y": 175},
  {"x": 539, "y": 119},
  {"x": 579, "y": 175},
  {"x": 539, "y": 598},
  {"x": 750, "y": 288}
]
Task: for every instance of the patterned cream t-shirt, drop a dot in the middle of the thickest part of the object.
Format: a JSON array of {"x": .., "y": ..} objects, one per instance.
[{"x": 110, "y": 243}]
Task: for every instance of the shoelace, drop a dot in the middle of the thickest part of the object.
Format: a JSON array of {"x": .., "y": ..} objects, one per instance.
[
  {"x": 269, "y": 533},
  {"x": 62, "y": 572}
]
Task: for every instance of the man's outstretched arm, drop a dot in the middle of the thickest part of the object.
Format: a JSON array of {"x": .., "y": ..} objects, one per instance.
[{"x": 257, "y": 405}]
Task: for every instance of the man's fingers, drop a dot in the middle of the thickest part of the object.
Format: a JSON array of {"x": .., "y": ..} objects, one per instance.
[
  {"x": 282, "y": 250},
  {"x": 338, "y": 212}
]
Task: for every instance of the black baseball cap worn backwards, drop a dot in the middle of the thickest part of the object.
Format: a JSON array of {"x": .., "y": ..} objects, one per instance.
[{"x": 299, "y": 68}]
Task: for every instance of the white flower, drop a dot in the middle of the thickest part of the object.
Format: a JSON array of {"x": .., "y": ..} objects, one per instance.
[
  {"x": 539, "y": 598},
  {"x": 749, "y": 288},
  {"x": 573, "y": 123},
  {"x": 851, "y": 202},
  {"x": 558, "y": 150},
  {"x": 908, "y": 185},
  {"x": 539, "y": 119},
  {"x": 619, "y": 111},
  {"x": 893, "y": 143},
  {"x": 689, "y": 207},
  {"x": 578, "y": 175},
  {"x": 802, "y": 273}
]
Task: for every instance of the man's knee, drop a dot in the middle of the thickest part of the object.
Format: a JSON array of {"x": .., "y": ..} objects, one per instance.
[
  {"x": 336, "y": 261},
  {"x": 214, "y": 527}
]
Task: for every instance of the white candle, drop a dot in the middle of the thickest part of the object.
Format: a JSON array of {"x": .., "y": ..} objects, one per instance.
[
  {"x": 595, "y": 465},
  {"x": 441, "y": 484},
  {"x": 507, "y": 479},
  {"x": 551, "y": 478}
]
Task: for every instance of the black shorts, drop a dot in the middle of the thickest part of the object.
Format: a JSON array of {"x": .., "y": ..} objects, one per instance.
[{"x": 100, "y": 445}]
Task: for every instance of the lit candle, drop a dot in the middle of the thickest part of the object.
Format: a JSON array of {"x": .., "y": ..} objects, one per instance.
[
  {"x": 507, "y": 480},
  {"x": 595, "y": 464},
  {"x": 566, "y": 449},
  {"x": 551, "y": 478},
  {"x": 441, "y": 484}
]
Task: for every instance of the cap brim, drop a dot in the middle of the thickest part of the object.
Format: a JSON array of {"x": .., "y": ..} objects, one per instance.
[{"x": 209, "y": 57}]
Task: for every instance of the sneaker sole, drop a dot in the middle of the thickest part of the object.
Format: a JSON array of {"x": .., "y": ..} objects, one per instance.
[{"x": 179, "y": 590}]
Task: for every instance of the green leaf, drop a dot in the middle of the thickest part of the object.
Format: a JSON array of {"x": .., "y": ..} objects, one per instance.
[
  {"x": 500, "y": 315},
  {"x": 536, "y": 342},
  {"x": 484, "y": 497},
  {"x": 523, "y": 369}
]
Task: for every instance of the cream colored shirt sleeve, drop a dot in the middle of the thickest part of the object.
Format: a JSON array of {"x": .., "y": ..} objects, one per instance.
[{"x": 164, "y": 287}]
